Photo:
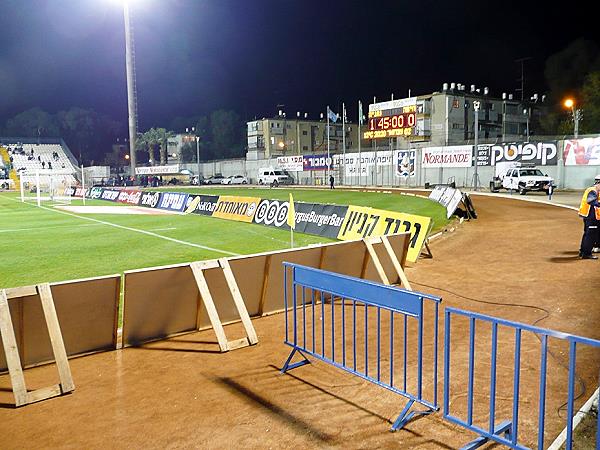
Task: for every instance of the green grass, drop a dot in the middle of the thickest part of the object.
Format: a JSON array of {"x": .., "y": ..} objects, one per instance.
[{"x": 42, "y": 244}]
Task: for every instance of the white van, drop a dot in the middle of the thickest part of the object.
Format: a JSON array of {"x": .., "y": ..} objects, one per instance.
[{"x": 273, "y": 177}]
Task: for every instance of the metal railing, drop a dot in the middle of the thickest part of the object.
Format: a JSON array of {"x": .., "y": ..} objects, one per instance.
[
  {"x": 507, "y": 432},
  {"x": 335, "y": 318}
]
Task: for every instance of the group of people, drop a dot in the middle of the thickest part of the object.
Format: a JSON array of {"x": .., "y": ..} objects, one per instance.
[
  {"x": 32, "y": 157},
  {"x": 589, "y": 210}
]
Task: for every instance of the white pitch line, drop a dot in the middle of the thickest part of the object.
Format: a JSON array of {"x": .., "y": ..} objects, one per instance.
[
  {"x": 15, "y": 230},
  {"x": 136, "y": 230},
  {"x": 163, "y": 229}
]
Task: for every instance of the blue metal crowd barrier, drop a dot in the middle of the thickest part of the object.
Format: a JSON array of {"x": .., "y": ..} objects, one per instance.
[
  {"x": 307, "y": 290},
  {"x": 507, "y": 432}
]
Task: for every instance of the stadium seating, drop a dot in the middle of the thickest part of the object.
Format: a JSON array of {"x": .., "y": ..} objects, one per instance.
[{"x": 28, "y": 165}]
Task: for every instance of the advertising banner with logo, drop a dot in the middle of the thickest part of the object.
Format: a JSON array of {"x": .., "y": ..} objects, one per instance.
[
  {"x": 231, "y": 207},
  {"x": 291, "y": 163},
  {"x": 319, "y": 219},
  {"x": 201, "y": 204},
  {"x": 110, "y": 194},
  {"x": 150, "y": 199},
  {"x": 538, "y": 153},
  {"x": 582, "y": 152},
  {"x": 157, "y": 170},
  {"x": 405, "y": 163},
  {"x": 317, "y": 162},
  {"x": 129, "y": 196},
  {"x": 363, "y": 164},
  {"x": 272, "y": 213},
  {"x": 448, "y": 197},
  {"x": 362, "y": 221},
  {"x": 172, "y": 201},
  {"x": 95, "y": 192},
  {"x": 454, "y": 156}
]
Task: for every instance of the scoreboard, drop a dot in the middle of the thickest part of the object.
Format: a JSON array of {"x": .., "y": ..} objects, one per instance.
[{"x": 391, "y": 119}]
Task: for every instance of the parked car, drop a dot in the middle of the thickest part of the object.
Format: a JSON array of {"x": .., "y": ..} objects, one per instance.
[
  {"x": 215, "y": 179},
  {"x": 274, "y": 177},
  {"x": 236, "y": 179},
  {"x": 197, "y": 181},
  {"x": 522, "y": 179}
]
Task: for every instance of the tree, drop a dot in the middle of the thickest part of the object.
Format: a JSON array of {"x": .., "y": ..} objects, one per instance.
[
  {"x": 225, "y": 129},
  {"x": 34, "y": 122},
  {"x": 590, "y": 103},
  {"x": 155, "y": 139},
  {"x": 87, "y": 131}
]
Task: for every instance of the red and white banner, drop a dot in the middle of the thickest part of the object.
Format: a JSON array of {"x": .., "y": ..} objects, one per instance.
[
  {"x": 582, "y": 152},
  {"x": 129, "y": 196},
  {"x": 455, "y": 156}
]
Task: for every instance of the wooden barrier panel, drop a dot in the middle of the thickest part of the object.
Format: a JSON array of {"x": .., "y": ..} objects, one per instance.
[
  {"x": 164, "y": 301},
  {"x": 87, "y": 312}
]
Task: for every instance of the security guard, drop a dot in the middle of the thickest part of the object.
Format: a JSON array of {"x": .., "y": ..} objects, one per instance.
[{"x": 589, "y": 210}]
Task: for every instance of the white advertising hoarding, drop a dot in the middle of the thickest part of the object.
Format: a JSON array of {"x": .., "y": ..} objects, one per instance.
[
  {"x": 454, "y": 156},
  {"x": 291, "y": 163}
]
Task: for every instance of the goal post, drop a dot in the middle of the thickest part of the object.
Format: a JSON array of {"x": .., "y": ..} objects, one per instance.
[{"x": 47, "y": 187}]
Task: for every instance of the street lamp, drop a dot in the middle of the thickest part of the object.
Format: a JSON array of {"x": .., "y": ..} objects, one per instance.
[
  {"x": 569, "y": 103},
  {"x": 476, "y": 106},
  {"x": 197, "y": 139}
]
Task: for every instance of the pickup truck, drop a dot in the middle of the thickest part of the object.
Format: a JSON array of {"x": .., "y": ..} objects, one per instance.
[{"x": 522, "y": 179}]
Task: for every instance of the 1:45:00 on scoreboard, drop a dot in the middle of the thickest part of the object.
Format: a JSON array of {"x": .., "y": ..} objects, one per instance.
[{"x": 404, "y": 120}]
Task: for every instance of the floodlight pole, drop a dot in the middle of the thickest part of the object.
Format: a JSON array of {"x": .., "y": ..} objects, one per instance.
[
  {"x": 131, "y": 100},
  {"x": 198, "y": 157},
  {"x": 476, "y": 105}
]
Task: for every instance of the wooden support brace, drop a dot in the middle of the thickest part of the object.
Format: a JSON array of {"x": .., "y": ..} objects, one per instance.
[
  {"x": 396, "y": 263},
  {"x": 369, "y": 244},
  {"x": 239, "y": 301},
  {"x": 22, "y": 397},
  {"x": 197, "y": 268},
  {"x": 206, "y": 297}
]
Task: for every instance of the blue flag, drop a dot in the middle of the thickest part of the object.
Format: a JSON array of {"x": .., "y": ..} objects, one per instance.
[{"x": 332, "y": 116}]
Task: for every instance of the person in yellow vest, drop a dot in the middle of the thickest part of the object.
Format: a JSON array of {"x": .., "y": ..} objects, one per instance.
[{"x": 589, "y": 210}]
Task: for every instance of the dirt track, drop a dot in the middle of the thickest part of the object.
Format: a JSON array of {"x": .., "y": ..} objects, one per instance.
[{"x": 182, "y": 393}]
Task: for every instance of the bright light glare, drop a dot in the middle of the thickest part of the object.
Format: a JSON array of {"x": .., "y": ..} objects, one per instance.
[{"x": 569, "y": 103}]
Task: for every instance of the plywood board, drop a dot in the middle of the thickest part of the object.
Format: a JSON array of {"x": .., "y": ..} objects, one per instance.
[
  {"x": 159, "y": 302},
  {"x": 87, "y": 314}
]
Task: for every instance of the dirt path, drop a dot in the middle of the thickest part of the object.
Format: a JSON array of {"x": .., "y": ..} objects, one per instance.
[{"x": 181, "y": 393}]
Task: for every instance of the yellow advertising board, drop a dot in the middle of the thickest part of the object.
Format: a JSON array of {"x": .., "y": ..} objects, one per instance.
[
  {"x": 231, "y": 207},
  {"x": 362, "y": 221}
]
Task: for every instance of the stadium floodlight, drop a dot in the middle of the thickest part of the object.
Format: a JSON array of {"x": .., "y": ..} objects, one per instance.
[{"x": 131, "y": 87}]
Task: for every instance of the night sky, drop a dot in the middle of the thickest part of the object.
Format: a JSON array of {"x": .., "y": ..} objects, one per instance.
[{"x": 195, "y": 56}]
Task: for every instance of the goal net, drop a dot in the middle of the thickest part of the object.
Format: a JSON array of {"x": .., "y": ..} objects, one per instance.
[{"x": 55, "y": 188}]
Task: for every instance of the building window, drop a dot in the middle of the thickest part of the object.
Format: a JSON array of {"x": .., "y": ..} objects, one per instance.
[
  {"x": 305, "y": 148},
  {"x": 304, "y": 133}
]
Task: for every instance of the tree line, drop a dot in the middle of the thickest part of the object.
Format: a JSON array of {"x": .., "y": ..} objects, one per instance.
[{"x": 91, "y": 135}]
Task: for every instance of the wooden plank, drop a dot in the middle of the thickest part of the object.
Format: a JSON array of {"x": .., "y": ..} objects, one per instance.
[
  {"x": 24, "y": 291},
  {"x": 265, "y": 285},
  {"x": 56, "y": 339},
  {"x": 238, "y": 343},
  {"x": 396, "y": 263},
  {"x": 44, "y": 393},
  {"x": 209, "y": 305},
  {"x": 239, "y": 301},
  {"x": 209, "y": 264},
  {"x": 322, "y": 257},
  {"x": 13, "y": 361},
  {"x": 365, "y": 262},
  {"x": 376, "y": 261}
]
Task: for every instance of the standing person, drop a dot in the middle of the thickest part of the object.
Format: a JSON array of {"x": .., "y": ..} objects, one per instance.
[
  {"x": 589, "y": 210},
  {"x": 331, "y": 182}
]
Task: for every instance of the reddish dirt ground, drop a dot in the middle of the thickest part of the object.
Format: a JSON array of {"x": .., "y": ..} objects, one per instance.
[{"x": 182, "y": 393}]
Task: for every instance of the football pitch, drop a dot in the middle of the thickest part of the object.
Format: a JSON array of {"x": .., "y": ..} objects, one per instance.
[{"x": 39, "y": 244}]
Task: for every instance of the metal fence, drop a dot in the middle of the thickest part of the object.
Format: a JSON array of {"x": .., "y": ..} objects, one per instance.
[
  {"x": 483, "y": 333},
  {"x": 373, "y": 331}
]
